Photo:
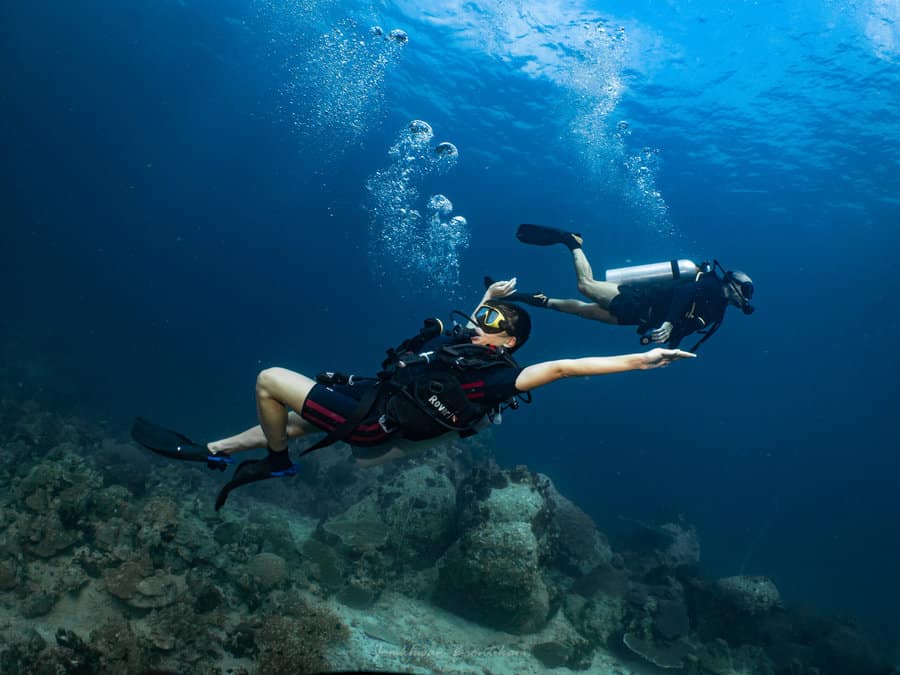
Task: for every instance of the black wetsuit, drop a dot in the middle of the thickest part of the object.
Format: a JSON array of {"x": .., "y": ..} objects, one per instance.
[{"x": 688, "y": 306}]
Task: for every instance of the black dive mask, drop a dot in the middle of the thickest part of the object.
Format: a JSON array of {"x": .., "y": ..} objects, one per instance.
[
  {"x": 741, "y": 286},
  {"x": 744, "y": 290}
]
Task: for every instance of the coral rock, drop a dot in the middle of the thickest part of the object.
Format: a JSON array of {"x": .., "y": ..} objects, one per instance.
[
  {"x": 133, "y": 583},
  {"x": 8, "y": 577},
  {"x": 492, "y": 574},
  {"x": 750, "y": 595},
  {"x": 267, "y": 570}
]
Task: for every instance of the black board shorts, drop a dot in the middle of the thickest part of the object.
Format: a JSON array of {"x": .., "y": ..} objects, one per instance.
[
  {"x": 328, "y": 406},
  {"x": 628, "y": 306}
]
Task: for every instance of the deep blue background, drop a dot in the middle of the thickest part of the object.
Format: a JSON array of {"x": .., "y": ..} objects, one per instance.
[{"x": 167, "y": 231}]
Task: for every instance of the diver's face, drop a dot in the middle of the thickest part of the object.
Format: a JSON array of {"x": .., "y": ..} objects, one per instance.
[{"x": 502, "y": 339}]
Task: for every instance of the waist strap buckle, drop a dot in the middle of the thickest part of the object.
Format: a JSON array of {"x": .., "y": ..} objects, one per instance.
[{"x": 385, "y": 425}]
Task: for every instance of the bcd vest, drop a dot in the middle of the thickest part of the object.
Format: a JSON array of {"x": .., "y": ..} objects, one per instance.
[
  {"x": 426, "y": 397},
  {"x": 419, "y": 393}
]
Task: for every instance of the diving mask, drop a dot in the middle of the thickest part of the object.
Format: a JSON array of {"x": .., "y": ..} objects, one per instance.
[
  {"x": 490, "y": 319},
  {"x": 742, "y": 285}
]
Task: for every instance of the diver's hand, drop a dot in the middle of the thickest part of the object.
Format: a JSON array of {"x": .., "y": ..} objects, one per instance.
[
  {"x": 661, "y": 334},
  {"x": 660, "y": 358},
  {"x": 501, "y": 289}
]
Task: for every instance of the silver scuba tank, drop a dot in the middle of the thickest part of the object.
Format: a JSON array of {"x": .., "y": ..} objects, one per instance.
[{"x": 671, "y": 270}]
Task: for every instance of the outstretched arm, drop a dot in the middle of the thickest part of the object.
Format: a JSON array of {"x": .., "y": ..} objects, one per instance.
[{"x": 540, "y": 374}]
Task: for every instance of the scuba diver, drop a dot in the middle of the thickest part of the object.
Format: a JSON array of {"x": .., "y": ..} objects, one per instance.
[
  {"x": 434, "y": 383},
  {"x": 666, "y": 301}
]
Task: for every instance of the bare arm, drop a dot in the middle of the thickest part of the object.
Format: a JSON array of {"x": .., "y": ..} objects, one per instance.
[
  {"x": 540, "y": 374},
  {"x": 498, "y": 289}
]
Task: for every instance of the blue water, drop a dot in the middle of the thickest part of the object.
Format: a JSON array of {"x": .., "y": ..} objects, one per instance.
[{"x": 184, "y": 202}]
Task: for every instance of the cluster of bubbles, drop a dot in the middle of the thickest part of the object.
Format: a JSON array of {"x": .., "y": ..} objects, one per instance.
[
  {"x": 596, "y": 87},
  {"x": 640, "y": 190},
  {"x": 333, "y": 87},
  {"x": 419, "y": 251}
]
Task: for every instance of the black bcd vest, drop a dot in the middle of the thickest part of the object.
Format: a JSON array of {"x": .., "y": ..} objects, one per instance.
[{"x": 425, "y": 396}]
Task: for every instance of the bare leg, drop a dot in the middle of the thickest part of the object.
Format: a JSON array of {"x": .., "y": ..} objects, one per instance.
[
  {"x": 254, "y": 437},
  {"x": 601, "y": 292},
  {"x": 276, "y": 390},
  {"x": 586, "y": 310}
]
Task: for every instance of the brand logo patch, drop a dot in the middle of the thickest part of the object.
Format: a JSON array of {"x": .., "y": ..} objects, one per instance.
[{"x": 445, "y": 412}]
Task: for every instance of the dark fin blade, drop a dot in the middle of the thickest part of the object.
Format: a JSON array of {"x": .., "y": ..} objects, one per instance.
[
  {"x": 251, "y": 471},
  {"x": 541, "y": 235},
  {"x": 166, "y": 442}
]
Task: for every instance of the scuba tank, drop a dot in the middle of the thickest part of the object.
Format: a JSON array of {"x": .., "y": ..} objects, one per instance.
[{"x": 672, "y": 270}]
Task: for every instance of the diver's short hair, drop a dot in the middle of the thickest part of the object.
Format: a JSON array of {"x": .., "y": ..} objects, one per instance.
[{"x": 518, "y": 321}]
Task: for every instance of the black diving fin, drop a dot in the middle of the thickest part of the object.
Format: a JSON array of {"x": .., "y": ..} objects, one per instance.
[
  {"x": 174, "y": 445},
  {"x": 541, "y": 235},
  {"x": 251, "y": 471}
]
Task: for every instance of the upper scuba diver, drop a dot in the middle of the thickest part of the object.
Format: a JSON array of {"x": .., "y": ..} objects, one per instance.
[
  {"x": 437, "y": 382},
  {"x": 666, "y": 301}
]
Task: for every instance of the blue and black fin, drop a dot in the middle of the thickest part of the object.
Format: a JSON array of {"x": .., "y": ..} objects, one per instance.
[{"x": 174, "y": 445}]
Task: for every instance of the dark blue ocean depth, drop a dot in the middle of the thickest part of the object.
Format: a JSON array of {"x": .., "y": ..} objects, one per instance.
[{"x": 184, "y": 202}]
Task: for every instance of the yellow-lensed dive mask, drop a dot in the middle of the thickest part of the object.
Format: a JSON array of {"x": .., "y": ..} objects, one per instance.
[{"x": 490, "y": 319}]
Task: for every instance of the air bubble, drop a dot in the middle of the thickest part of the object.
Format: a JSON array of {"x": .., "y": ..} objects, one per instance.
[
  {"x": 440, "y": 204},
  {"x": 398, "y": 36},
  {"x": 446, "y": 150},
  {"x": 420, "y": 128}
]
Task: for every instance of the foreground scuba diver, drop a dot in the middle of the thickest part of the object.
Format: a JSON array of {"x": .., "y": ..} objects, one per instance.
[
  {"x": 434, "y": 383},
  {"x": 666, "y": 301}
]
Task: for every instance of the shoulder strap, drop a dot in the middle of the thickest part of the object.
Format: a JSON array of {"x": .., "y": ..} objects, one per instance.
[
  {"x": 344, "y": 429},
  {"x": 706, "y": 335},
  {"x": 476, "y": 357},
  {"x": 432, "y": 328}
]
